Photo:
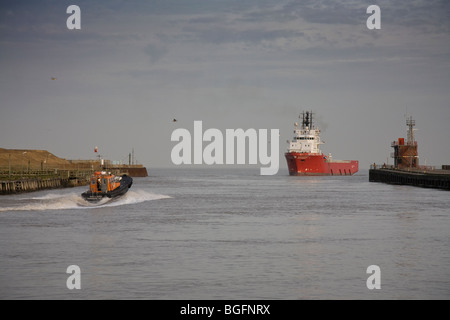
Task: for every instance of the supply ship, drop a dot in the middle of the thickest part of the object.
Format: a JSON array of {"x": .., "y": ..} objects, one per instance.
[{"x": 305, "y": 158}]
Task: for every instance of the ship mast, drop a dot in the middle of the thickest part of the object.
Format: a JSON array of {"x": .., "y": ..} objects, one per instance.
[{"x": 307, "y": 122}]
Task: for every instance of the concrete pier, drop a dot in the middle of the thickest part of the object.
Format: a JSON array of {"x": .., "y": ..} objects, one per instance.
[
  {"x": 132, "y": 171},
  {"x": 32, "y": 170},
  {"x": 437, "y": 178}
]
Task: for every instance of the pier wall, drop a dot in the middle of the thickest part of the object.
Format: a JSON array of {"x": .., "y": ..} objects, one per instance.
[
  {"x": 35, "y": 184},
  {"x": 436, "y": 179},
  {"x": 132, "y": 171},
  {"x": 32, "y": 170},
  {"x": 19, "y": 181}
]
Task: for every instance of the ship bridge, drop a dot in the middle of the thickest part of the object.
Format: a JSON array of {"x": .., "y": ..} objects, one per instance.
[{"x": 306, "y": 138}]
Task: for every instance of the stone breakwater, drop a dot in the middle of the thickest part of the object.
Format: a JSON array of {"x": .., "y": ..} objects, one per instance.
[
  {"x": 439, "y": 179},
  {"x": 19, "y": 182},
  {"x": 35, "y": 184}
]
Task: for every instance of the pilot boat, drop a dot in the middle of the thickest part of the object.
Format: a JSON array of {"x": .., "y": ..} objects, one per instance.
[{"x": 106, "y": 185}]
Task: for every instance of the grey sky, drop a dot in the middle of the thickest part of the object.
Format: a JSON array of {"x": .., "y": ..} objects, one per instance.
[{"x": 136, "y": 65}]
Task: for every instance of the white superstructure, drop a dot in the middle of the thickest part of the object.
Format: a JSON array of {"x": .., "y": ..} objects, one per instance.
[{"x": 307, "y": 137}]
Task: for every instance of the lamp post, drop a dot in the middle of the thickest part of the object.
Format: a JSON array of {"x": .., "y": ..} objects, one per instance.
[
  {"x": 45, "y": 162},
  {"x": 23, "y": 161}
]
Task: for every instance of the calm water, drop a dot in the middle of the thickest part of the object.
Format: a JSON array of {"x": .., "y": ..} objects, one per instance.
[{"x": 229, "y": 234}]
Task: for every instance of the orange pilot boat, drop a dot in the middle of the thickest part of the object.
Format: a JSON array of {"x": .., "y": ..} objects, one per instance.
[{"x": 107, "y": 185}]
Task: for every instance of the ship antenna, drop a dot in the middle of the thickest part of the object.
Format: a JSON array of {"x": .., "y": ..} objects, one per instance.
[
  {"x": 306, "y": 119},
  {"x": 303, "y": 119},
  {"x": 410, "y": 123}
]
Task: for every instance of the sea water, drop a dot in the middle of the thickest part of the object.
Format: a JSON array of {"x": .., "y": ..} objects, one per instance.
[{"x": 221, "y": 233}]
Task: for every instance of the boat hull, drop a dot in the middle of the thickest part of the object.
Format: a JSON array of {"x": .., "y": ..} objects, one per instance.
[
  {"x": 307, "y": 164},
  {"x": 125, "y": 184}
]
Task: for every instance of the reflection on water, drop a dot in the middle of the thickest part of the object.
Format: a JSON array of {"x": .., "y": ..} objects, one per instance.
[{"x": 229, "y": 234}]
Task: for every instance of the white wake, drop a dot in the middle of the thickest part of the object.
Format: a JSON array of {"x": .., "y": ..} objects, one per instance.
[{"x": 54, "y": 201}]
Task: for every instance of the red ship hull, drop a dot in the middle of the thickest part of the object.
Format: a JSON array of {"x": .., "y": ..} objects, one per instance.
[{"x": 307, "y": 164}]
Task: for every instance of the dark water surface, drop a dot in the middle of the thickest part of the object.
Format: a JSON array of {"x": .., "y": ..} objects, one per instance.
[{"x": 229, "y": 234}]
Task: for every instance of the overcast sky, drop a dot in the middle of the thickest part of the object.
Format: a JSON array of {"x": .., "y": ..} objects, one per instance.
[{"x": 136, "y": 65}]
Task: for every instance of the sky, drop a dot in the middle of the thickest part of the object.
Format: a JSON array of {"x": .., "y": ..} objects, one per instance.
[{"x": 134, "y": 66}]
